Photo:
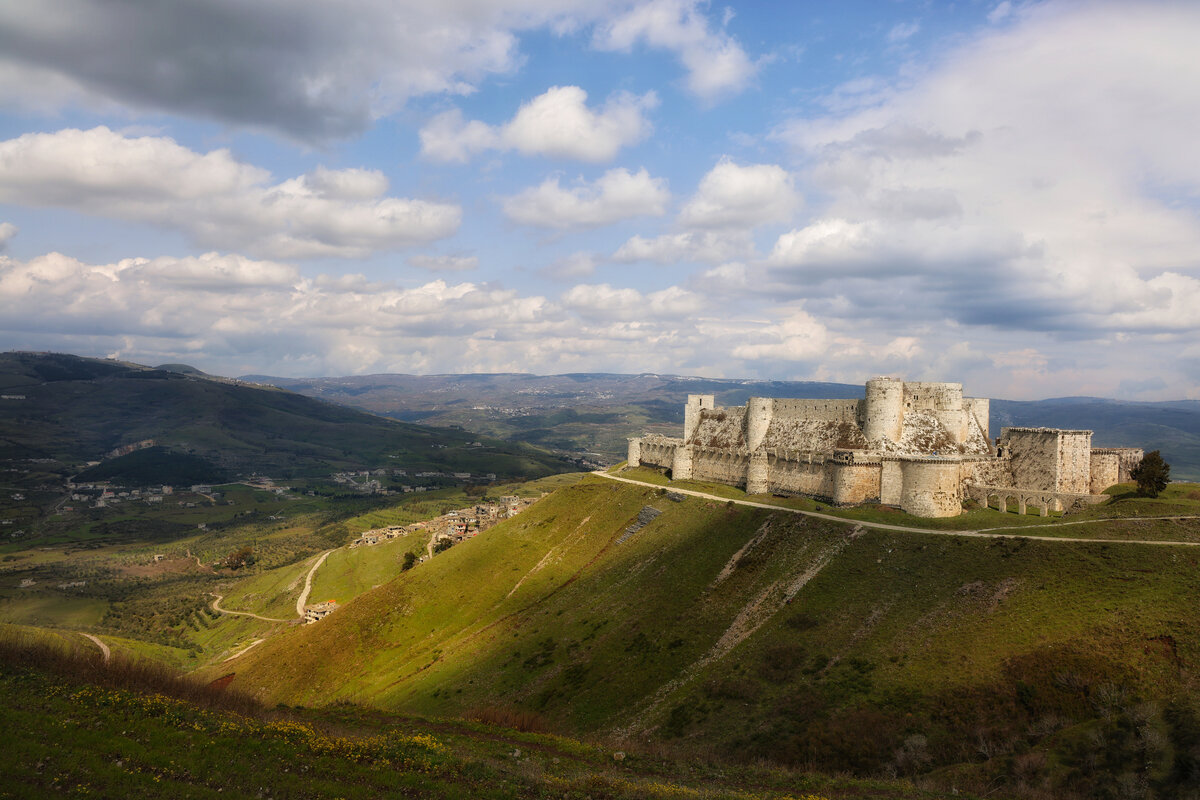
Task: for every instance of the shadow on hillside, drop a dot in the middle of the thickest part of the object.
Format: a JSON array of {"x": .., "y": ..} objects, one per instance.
[{"x": 23, "y": 650}]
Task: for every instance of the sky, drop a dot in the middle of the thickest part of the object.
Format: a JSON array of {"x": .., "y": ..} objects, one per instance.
[{"x": 1002, "y": 194}]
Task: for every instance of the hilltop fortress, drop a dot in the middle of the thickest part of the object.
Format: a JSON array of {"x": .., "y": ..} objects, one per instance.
[{"x": 920, "y": 446}]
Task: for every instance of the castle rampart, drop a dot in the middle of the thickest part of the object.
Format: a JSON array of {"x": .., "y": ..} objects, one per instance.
[{"x": 916, "y": 445}]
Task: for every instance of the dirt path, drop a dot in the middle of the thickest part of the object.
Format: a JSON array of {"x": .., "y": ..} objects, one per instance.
[
  {"x": 216, "y": 607},
  {"x": 244, "y": 650},
  {"x": 303, "y": 598},
  {"x": 983, "y": 533},
  {"x": 103, "y": 647}
]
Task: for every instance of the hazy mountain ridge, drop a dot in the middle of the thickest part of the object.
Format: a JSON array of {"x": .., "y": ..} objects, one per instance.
[
  {"x": 74, "y": 410},
  {"x": 554, "y": 409}
]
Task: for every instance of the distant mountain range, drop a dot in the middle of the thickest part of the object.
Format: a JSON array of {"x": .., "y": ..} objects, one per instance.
[
  {"x": 595, "y": 412},
  {"x": 63, "y": 411}
]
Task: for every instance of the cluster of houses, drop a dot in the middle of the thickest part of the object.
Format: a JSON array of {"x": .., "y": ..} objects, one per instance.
[
  {"x": 101, "y": 495},
  {"x": 371, "y": 481},
  {"x": 457, "y": 525}
]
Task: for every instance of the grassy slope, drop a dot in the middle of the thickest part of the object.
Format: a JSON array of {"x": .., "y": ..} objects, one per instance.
[
  {"x": 94, "y": 729},
  {"x": 548, "y": 613},
  {"x": 347, "y": 573}
]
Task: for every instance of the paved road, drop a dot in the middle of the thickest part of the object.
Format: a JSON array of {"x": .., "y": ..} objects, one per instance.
[
  {"x": 216, "y": 607},
  {"x": 303, "y": 598},
  {"x": 103, "y": 647},
  {"x": 984, "y": 533}
]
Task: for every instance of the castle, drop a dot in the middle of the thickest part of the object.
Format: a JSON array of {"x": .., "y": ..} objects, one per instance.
[{"x": 920, "y": 446}]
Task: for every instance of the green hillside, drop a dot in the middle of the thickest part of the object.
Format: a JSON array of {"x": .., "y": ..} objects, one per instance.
[
  {"x": 975, "y": 662},
  {"x": 76, "y": 410},
  {"x": 130, "y": 728},
  {"x": 154, "y": 466}
]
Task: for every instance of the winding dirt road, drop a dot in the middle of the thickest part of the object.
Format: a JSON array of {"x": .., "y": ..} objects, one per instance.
[
  {"x": 103, "y": 647},
  {"x": 303, "y": 598},
  {"x": 216, "y": 607},
  {"x": 300, "y": 601},
  {"x": 982, "y": 533},
  {"x": 244, "y": 650}
]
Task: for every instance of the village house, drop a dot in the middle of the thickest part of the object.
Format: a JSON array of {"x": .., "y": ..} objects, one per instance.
[{"x": 318, "y": 611}]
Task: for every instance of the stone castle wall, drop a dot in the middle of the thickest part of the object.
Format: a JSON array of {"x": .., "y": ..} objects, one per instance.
[
  {"x": 891, "y": 482},
  {"x": 719, "y": 466},
  {"x": 856, "y": 451},
  {"x": 991, "y": 471},
  {"x": 981, "y": 409},
  {"x": 1105, "y": 469},
  {"x": 1127, "y": 459},
  {"x": 1075, "y": 462},
  {"x": 808, "y": 478},
  {"x": 855, "y": 483},
  {"x": 1049, "y": 459},
  {"x": 1033, "y": 457},
  {"x": 930, "y": 487}
]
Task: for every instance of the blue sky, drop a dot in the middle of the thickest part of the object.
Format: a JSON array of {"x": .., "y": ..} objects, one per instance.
[{"x": 998, "y": 193}]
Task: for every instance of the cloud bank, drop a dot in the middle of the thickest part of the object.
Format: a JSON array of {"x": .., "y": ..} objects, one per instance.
[{"x": 214, "y": 199}]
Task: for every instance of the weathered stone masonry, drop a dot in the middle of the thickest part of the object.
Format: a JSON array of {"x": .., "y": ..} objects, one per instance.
[{"x": 920, "y": 446}]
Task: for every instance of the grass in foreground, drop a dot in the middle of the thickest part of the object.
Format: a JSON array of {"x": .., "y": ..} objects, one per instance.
[{"x": 136, "y": 729}]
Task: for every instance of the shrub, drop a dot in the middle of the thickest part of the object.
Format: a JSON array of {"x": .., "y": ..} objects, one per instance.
[
  {"x": 517, "y": 719},
  {"x": 242, "y": 557},
  {"x": 1152, "y": 474}
]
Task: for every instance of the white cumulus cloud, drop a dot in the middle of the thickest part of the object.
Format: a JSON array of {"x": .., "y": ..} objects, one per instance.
[
  {"x": 605, "y": 302},
  {"x": 1033, "y": 178},
  {"x": 732, "y": 196},
  {"x": 444, "y": 263},
  {"x": 712, "y": 247},
  {"x": 616, "y": 195},
  {"x": 215, "y": 199},
  {"x": 557, "y": 124},
  {"x": 716, "y": 63}
]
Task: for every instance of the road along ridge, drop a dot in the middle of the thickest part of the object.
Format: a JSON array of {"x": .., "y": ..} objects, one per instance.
[{"x": 985, "y": 533}]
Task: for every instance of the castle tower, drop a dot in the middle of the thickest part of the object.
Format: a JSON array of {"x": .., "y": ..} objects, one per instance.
[
  {"x": 759, "y": 411},
  {"x": 691, "y": 413},
  {"x": 884, "y": 409},
  {"x": 947, "y": 402}
]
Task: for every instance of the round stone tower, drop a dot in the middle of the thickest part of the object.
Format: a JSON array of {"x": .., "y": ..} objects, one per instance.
[{"x": 884, "y": 409}]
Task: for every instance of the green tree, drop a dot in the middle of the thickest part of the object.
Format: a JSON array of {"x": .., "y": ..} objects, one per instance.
[
  {"x": 410, "y": 559},
  {"x": 1152, "y": 474},
  {"x": 242, "y": 557}
]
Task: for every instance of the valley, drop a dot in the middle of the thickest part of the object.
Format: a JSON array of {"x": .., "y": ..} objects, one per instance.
[{"x": 726, "y": 645}]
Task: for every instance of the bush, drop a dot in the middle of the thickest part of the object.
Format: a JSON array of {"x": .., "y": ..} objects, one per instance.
[
  {"x": 410, "y": 560},
  {"x": 242, "y": 557},
  {"x": 1152, "y": 474}
]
